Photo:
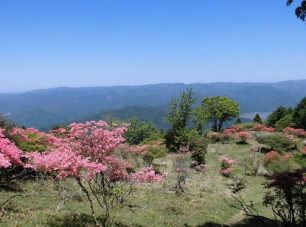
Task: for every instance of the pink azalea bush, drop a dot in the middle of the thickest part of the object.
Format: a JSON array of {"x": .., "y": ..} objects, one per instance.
[
  {"x": 9, "y": 153},
  {"x": 64, "y": 163},
  {"x": 272, "y": 156},
  {"x": 30, "y": 139},
  {"x": 87, "y": 153},
  {"x": 147, "y": 175},
  {"x": 243, "y": 136},
  {"x": 262, "y": 128},
  {"x": 226, "y": 165},
  {"x": 295, "y": 132}
]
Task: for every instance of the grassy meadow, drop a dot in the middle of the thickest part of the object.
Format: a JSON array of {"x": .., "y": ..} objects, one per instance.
[{"x": 205, "y": 201}]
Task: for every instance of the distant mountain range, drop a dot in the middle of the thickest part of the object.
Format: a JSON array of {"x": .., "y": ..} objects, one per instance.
[{"x": 45, "y": 108}]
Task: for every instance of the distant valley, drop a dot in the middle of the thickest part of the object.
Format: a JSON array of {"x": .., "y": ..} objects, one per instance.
[{"x": 45, "y": 108}]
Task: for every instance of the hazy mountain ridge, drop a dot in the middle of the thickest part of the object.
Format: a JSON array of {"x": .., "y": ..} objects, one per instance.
[{"x": 46, "y": 107}]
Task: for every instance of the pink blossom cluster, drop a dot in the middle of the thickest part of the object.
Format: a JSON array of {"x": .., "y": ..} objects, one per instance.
[
  {"x": 86, "y": 147},
  {"x": 295, "y": 131},
  {"x": 272, "y": 156},
  {"x": 226, "y": 165},
  {"x": 262, "y": 128},
  {"x": 235, "y": 129},
  {"x": 9, "y": 153},
  {"x": 243, "y": 136},
  {"x": 227, "y": 171},
  {"x": 64, "y": 163},
  {"x": 95, "y": 139},
  {"x": 26, "y": 135},
  {"x": 227, "y": 160},
  {"x": 85, "y": 150},
  {"x": 147, "y": 175},
  {"x": 227, "y": 133}
]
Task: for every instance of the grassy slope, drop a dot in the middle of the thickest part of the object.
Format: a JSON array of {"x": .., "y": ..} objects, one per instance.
[{"x": 151, "y": 204}]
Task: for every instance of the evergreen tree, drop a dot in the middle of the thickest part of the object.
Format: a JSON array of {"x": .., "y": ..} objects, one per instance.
[
  {"x": 179, "y": 113},
  {"x": 276, "y": 115},
  {"x": 257, "y": 119},
  {"x": 299, "y": 116},
  {"x": 238, "y": 121}
]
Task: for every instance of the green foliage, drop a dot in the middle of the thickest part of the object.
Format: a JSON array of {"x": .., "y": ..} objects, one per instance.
[
  {"x": 276, "y": 115},
  {"x": 154, "y": 152},
  {"x": 200, "y": 119},
  {"x": 286, "y": 121},
  {"x": 299, "y": 115},
  {"x": 257, "y": 119},
  {"x": 5, "y": 123},
  {"x": 200, "y": 151},
  {"x": 34, "y": 142},
  {"x": 238, "y": 121},
  {"x": 154, "y": 137},
  {"x": 179, "y": 113},
  {"x": 218, "y": 109},
  {"x": 277, "y": 142},
  {"x": 138, "y": 131}
]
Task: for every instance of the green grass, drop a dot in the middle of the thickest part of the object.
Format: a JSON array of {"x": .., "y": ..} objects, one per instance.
[{"x": 203, "y": 204}]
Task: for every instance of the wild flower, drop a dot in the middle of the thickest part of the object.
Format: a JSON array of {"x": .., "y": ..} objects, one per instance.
[
  {"x": 226, "y": 165},
  {"x": 243, "y": 136},
  {"x": 295, "y": 132},
  {"x": 9, "y": 153},
  {"x": 262, "y": 128}
]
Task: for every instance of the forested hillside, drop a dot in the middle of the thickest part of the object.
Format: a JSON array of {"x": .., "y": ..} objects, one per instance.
[{"x": 44, "y": 108}]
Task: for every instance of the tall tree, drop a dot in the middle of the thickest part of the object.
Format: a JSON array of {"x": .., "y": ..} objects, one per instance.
[
  {"x": 180, "y": 110},
  {"x": 257, "y": 119},
  {"x": 299, "y": 115},
  {"x": 276, "y": 115},
  {"x": 218, "y": 109}
]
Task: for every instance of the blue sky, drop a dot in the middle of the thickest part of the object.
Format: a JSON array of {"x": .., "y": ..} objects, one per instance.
[{"x": 51, "y": 43}]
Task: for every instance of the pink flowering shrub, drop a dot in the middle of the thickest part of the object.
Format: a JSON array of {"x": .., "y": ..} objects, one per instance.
[
  {"x": 9, "y": 153},
  {"x": 30, "y": 139},
  {"x": 243, "y": 136},
  {"x": 226, "y": 165},
  {"x": 147, "y": 175},
  {"x": 64, "y": 163},
  {"x": 228, "y": 133},
  {"x": 272, "y": 156},
  {"x": 86, "y": 152},
  {"x": 295, "y": 132},
  {"x": 262, "y": 128},
  {"x": 10, "y": 162}
]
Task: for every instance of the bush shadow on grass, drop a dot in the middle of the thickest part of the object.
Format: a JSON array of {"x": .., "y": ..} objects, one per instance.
[
  {"x": 247, "y": 222},
  {"x": 80, "y": 220}
]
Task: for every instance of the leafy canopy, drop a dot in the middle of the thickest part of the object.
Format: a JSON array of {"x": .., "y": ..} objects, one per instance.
[{"x": 218, "y": 109}]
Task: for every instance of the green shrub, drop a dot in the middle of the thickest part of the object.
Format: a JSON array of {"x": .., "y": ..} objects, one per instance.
[
  {"x": 286, "y": 121},
  {"x": 276, "y": 142},
  {"x": 200, "y": 151},
  {"x": 34, "y": 142},
  {"x": 138, "y": 131},
  {"x": 153, "y": 152}
]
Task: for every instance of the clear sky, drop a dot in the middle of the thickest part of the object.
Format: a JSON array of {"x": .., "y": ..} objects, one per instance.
[{"x": 50, "y": 43}]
